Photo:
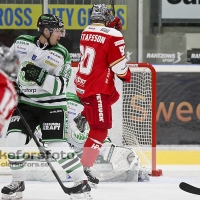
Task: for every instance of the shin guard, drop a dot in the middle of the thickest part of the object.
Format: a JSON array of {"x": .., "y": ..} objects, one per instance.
[{"x": 92, "y": 147}]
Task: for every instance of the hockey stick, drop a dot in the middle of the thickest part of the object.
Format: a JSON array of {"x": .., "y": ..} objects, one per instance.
[
  {"x": 189, "y": 188},
  {"x": 112, "y": 6},
  {"x": 44, "y": 152}
]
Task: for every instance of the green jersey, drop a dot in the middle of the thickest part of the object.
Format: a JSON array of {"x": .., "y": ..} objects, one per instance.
[{"x": 54, "y": 59}]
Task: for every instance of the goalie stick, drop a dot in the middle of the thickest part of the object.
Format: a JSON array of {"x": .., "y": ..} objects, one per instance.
[
  {"x": 189, "y": 188},
  {"x": 47, "y": 153}
]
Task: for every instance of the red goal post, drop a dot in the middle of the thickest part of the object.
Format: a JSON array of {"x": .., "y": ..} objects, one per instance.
[{"x": 147, "y": 84}]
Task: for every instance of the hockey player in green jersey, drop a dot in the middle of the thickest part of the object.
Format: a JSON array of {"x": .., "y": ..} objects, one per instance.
[{"x": 45, "y": 70}]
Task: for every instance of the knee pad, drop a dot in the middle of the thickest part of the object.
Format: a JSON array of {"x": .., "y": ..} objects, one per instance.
[
  {"x": 59, "y": 149},
  {"x": 98, "y": 134},
  {"x": 60, "y": 145},
  {"x": 92, "y": 146},
  {"x": 16, "y": 139}
]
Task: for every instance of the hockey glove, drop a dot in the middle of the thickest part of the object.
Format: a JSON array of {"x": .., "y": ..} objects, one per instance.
[
  {"x": 35, "y": 73},
  {"x": 115, "y": 23}
]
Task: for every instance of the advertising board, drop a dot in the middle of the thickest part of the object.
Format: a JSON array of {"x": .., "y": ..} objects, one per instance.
[
  {"x": 75, "y": 17},
  {"x": 180, "y": 9},
  {"x": 178, "y": 108}
]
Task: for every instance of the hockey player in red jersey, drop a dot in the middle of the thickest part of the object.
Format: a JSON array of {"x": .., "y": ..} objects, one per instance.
[
  {"x": 8, "y": 95},
  {"x": 102, "y": 49}
]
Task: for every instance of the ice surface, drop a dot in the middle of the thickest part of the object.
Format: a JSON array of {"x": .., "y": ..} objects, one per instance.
[{"x": 165, "y": 187}]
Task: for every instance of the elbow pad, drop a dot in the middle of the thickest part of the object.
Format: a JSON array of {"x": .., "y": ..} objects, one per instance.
[{"x": 125, "y": 77}]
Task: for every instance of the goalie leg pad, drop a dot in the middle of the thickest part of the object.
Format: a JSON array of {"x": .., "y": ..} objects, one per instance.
[{"x": 121, "y": 158}]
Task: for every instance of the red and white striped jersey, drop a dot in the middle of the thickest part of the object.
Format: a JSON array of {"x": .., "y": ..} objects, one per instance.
[
  {"x": 102, "y": 52},
  {"x": 8, "y": 98}
]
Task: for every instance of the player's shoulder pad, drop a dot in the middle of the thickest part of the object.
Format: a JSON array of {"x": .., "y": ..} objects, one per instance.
[
  {"x": 111, "y": 31},
  {"x": 25, "y": 38},
  {"x": 72, "y": 97},
  {"x": 60, "y": 49},
  {"x": 104, "y": 30}
]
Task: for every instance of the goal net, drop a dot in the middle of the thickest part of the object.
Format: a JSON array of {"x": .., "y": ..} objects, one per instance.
[{"x": 134, "y": 116}]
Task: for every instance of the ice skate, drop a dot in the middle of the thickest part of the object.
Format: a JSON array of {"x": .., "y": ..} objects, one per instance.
[
  {"x": 84, "y": 193},
  {"x": 13, "y": 191},
  {"x": 93, "y": 181}
]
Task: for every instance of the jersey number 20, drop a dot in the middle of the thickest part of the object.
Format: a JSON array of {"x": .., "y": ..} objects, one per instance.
[{"x": 87, "y": 59}]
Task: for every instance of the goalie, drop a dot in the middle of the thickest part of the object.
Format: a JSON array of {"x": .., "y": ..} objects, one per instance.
[{"x": 114, "y": 162}]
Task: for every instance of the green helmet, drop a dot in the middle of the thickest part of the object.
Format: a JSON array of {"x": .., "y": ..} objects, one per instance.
[{"x": 49, "y": 21}]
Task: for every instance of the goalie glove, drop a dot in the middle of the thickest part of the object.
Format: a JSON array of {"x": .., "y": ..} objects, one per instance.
[
  {"x": 35, "y": 73},
  {"x": 80, "y": 121},
  {"x": 115, "y": 23}
]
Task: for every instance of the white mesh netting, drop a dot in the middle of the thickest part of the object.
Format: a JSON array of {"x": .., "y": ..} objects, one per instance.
[{"x": 132, "y": 116}]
